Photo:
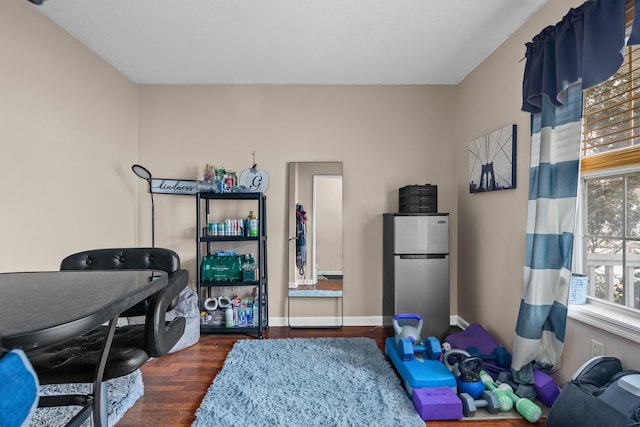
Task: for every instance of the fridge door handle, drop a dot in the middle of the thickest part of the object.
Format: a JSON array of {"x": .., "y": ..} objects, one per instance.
[{"x": 423, "y": 256}]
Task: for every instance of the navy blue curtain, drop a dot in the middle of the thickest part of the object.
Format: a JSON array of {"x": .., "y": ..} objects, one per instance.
[{"x": 585, "y": 46}]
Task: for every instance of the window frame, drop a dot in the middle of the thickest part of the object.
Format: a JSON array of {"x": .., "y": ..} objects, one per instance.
[{"x": 607, "y": 316}]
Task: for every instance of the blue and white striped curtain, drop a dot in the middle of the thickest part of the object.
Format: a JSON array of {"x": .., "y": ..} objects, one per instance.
[
  {"x": 582, "y": 50},
  {"x": 553, "y": 184}
]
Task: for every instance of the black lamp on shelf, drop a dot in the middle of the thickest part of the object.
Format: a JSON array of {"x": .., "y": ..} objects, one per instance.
[{"x": 144, "y": 173}]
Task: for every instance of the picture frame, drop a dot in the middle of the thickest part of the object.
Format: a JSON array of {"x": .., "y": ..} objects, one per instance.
[{"x": 492, "y": 161}]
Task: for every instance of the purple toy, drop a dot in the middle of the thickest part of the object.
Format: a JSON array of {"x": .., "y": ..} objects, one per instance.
[
  {"x": 476, "y": 336},
  {"x": 473, "y": 336},
  {"x": 437, "y": 403},
  {"x": 546, "y": 388}
]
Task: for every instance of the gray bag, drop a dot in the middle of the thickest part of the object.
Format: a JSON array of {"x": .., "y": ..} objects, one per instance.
[{"x": 600, "y": 393}]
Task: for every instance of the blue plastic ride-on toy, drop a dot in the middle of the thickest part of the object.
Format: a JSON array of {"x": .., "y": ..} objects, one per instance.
[{"x": 416, "y": 361}]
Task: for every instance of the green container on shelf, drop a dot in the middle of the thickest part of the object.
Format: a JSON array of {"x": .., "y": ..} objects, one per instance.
[
  {"x": 225, "y": 268},
  {"x": 206, "y": 274}
]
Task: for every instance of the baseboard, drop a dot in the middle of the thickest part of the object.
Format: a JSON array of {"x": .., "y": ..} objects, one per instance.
[
  {"x": 326, "y": 321},
  {"x": 459, "y": 322},
  {"x": 454, "y": 320},
  {"x": 337, "y": 274}
]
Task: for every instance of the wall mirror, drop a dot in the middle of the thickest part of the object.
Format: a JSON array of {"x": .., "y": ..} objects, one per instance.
[{"x": 315, "y": 229}]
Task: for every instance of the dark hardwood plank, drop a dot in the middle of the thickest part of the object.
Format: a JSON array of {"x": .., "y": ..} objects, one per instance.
[{"x": 175, "y": 384}]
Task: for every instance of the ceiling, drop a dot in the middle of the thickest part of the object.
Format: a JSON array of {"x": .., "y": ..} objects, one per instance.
[{"x": 292, "y": 41}]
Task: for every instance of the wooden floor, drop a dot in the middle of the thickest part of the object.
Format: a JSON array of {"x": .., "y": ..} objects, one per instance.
[
  {"x": 322, "y": 285},
  {"x": 174, "y": 385}
]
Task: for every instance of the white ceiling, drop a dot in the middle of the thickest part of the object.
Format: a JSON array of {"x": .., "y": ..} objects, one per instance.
[{"x": 292, "y": 41}]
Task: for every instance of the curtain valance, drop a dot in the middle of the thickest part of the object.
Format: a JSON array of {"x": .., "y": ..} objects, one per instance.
[{"x": 585, "y": 46}]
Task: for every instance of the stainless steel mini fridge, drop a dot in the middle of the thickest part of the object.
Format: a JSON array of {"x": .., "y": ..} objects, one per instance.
[{"x": 416, "y": 270}]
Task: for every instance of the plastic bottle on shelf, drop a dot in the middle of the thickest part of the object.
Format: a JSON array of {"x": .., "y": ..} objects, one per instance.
[
  {"x": 253, "y": 225},
  {"x": 249, "y": 268},
  {"x": 254, "y": 267},
  {"x": 249, "y": 311},
  {"x": 242, "y": 316},
  {"x": 240, "y": 227},
  {"x": 255, "y": 313},
  {"x": 228, "y": 316},
  {"x": 246, "y": 225},
  {"x": 230, "y": 180},
  {"x": 220, "y": 180}
]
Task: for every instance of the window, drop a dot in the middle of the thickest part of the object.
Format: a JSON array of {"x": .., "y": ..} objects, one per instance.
[
  {"x": 610, "y": 209},
  {"x": 612, "y": 238}
]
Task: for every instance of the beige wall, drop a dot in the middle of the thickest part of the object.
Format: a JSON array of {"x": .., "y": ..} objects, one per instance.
[
  {"x": 68, "y": 138},
  {"x": 386, "y": 136},
  {"x": 491, "y": 227}
]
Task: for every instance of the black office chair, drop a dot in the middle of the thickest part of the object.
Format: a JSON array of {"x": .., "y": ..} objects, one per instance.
[
  {"x": 76, "y": 360},
  {"x": 162, "y": 339}
]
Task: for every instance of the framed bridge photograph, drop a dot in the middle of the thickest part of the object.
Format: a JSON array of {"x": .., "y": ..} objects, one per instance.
[{"x": 492, "y": 161}]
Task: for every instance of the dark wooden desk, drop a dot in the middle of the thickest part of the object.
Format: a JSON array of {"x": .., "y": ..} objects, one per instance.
[{"x": 38, "y": 309}]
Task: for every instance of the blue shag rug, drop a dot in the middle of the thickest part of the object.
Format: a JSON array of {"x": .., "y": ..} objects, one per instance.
[
  {"x": 306, "y": 382},
  {"x": 122, "y": 393}
]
